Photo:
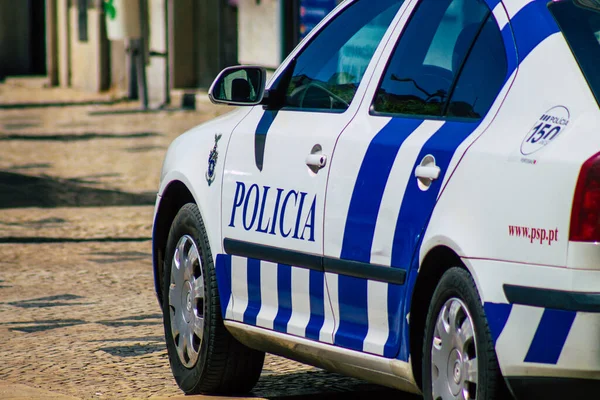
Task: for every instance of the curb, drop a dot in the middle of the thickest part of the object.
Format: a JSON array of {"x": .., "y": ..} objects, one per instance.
[{"x": 14, "y": 391}]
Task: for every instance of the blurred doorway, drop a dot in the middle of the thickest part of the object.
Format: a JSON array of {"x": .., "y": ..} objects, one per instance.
[
  {"x": 203, "y": 38},
  {"x": 22, "y": 38}
]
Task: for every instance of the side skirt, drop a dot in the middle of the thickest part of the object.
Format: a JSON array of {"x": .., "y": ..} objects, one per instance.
[{"x": 383, "y": 371}]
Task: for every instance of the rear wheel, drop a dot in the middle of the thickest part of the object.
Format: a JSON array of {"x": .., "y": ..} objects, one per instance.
[
  {"x": 459, "y": 360},
  {"x": 204, "y": 357}
]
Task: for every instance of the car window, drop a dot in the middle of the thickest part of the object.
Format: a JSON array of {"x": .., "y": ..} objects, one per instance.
[
  {"x": 326, "y": 75},
  {"x": 581, "y": 28},
  {"x": 429, "y": 56},
  {"x": 482, "y": 76}
]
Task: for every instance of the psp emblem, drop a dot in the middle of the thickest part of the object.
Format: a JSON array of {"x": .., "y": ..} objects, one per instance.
[{"x": 212, "y": 161}]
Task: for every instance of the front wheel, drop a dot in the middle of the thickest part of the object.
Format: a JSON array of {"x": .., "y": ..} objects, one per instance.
[
  {"x": 459, "y": 360},
  {"x": 204, "y": 357}
]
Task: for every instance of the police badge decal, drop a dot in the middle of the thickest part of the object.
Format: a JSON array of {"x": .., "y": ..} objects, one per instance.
[{"x": 212, "y": 161}]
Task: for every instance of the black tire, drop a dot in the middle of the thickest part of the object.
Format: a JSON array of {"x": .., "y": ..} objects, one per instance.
[
  {"x": 223, "y": 365},
  {"x": 456, "y": 288}
]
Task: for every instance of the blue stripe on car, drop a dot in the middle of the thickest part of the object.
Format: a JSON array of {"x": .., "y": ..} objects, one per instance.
[
  {"x": 417, "y": 205},
  {"x": 317, "y": 304},
  {"x": 396, "y": 295},
  {"x": 254, "y": 297},
  {"x": 284, "y": 298},
  {"x": 223, "y": 272},
  {"x": 369, "y": 187},
  {"x": 360, "y": 226},
  {"x": 550, "y": 336},
  {"x": 353, "y": 303},
  {"x": 492, "y": 3},
  {"x": 497, "y": 315},
  {"x": 260, "y": 137},
  {"x": 404, "y": 352},
  {"x": 531, "y": 26}
]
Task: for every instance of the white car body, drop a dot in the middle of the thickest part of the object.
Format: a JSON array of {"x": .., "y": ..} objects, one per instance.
[{"x": 502, "y": 209}]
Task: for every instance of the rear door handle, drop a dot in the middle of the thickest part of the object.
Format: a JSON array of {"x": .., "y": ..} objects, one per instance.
[{"x": 427, "y": 172}]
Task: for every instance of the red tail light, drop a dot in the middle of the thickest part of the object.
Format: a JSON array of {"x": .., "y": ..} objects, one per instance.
[{"x": 585, "y": 216}]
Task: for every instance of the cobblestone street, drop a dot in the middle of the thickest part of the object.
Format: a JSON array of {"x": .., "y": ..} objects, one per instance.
[{"x": 78, "y": 315}]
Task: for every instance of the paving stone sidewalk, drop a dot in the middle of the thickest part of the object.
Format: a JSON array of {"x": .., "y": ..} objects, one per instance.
[{"x": 78, "y": 316}]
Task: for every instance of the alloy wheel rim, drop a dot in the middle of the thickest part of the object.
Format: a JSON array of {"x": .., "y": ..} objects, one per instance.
[
  {"x": 186, "y": 301},
  {"x": 454, "y": 353}
]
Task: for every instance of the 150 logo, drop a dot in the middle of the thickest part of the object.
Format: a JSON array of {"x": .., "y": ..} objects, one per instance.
[{"x": 550, "y": 125}]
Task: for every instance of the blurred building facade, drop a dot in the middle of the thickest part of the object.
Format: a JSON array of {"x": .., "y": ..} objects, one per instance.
[
  {"x": 270, "y": 29},
  {"x": 188, "y": 42}
]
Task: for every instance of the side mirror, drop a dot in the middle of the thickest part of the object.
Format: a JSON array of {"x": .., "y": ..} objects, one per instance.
[{"x": 239, "y": 86}]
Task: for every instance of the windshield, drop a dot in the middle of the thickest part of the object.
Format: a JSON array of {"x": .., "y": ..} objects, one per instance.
[{"x": 581, "y": 28}]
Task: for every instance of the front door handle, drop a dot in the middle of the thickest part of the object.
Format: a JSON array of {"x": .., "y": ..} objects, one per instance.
[{"x": 317, "y": 161}]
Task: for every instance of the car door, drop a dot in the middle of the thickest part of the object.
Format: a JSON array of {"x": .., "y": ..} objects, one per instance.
[
  {"x": 431, "y": 100},
  {"x": 276, "y": 172}
]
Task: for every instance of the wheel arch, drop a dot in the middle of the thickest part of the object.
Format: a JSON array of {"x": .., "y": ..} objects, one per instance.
[
  {"x": 436, "y": 262},
  {"x": 175, "y": 196}
]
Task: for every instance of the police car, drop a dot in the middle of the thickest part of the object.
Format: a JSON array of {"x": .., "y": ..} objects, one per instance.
[{"x": 413, "y": 199}]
